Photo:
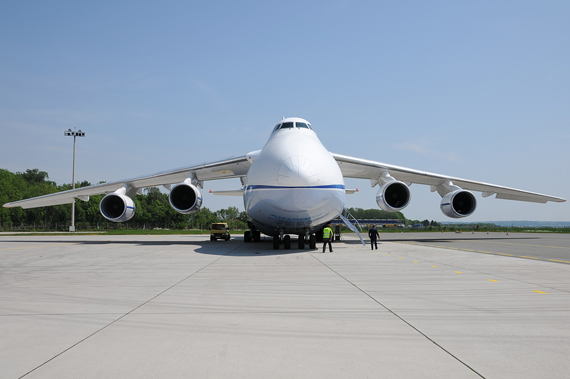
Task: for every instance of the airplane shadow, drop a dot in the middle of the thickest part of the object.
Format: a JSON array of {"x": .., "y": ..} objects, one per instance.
[
  {"x": 237, "y": 247},
  {"x": 234, "y": 247}
]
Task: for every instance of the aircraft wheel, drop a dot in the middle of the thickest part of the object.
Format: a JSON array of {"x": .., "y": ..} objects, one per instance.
[
  {"x": 257, "y": 236},
  {"x": 319, "y": 236},
  {"x": 301, "y": 242},
  {"x": 287, "y": 242},
  {"x": 247, "y": 236},
  {"x": 276, "y": 242},
  {"x": 313, "y": 242}
]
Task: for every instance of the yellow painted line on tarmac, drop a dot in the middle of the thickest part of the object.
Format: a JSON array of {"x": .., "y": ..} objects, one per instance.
[
  {"x": 538, "y": 291},
  {"x": 486, "y": 252},
  {"x": 34, "y": 247},
  {"x": 467, "y": 250},
  {"x": 523, "y": 256},
  {"x": 492, "y": 280},
  {"x": 522, "y": 244},
  {"x": 453, "y": 248},
  {"x": 433, "y": 266},
  {"x": 415, "y": 261},
  {"x": 556, "y": 260},
  {"x": 458, "y": 272},
  {"x": 443, "y": 247},
  {"x": 400, "y": 258},
  {"x": 508, "y": 255}
]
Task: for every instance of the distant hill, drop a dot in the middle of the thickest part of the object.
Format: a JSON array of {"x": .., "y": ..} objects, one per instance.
[{"x": 551, "y": 224}]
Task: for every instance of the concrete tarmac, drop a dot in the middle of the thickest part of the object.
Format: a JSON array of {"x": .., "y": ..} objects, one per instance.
[{"x": 182, "y": 306}]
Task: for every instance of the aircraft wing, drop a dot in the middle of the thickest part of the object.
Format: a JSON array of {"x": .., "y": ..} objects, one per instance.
[
  {"x": 364, "y": 169},
  {"x": 224, "y": 169}
]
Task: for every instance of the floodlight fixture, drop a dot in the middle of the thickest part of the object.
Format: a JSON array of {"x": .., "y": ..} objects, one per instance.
[{"x": 74, "y": 134}]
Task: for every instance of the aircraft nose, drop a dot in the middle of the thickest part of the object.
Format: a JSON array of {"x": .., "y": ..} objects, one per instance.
[
  {"x": 298, "y": 170},
  {"x": 300, "y": 175}
]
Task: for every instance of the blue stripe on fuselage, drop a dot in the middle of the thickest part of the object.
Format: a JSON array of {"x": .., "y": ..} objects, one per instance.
[{"x": 260, "y": 186}]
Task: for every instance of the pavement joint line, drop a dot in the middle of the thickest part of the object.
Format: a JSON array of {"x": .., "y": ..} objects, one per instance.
[
  {"x": 489, "y": 252},
  {"x": 127, "y": 314},
  {"x": 507, "y": 278},
  {"x": 398, "y": 316},
  {"x": 32, "y": 272},
  {"x": 520, "y": 244},
  {"x": 34, "y": 247}
]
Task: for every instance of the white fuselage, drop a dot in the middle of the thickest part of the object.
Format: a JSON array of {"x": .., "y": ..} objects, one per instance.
[{"x": 294, "y": 184}]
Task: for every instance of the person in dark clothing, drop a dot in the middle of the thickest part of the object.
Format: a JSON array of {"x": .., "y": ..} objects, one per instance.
[{"x": 374, "y": 237}]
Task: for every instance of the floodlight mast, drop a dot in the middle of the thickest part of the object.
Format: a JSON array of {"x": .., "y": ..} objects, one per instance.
[{"x": 75, "y": 134}]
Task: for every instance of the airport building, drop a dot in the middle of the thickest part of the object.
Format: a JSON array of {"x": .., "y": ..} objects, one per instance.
[{"x": 380, "y": 223}]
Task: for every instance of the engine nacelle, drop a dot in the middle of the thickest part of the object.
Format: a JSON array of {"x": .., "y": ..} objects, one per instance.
[
  {"x": 459, "y": 203},
  {"x": 393, "y": 196},
  {"x": 185, "y": 198},
  {"x": 117, "y": 207}
]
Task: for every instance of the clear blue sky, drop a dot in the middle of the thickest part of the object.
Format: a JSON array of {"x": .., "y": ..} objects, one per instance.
[{"x": 479, "y": 90}]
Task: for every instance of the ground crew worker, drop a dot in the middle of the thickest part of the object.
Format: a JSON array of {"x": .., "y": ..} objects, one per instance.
[
  {"x": 373, "y": 235},
  {"x": 327, "y": 237}
]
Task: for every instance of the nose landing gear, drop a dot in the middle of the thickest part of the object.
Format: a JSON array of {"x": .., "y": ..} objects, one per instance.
[
  {"x": 302, "y": 241},
  {"x": 313, "y": 242},
  {"x": 252, "y": 235}
]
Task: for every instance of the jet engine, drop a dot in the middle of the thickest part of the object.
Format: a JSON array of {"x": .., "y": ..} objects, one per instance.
[
  {"x": 185, "y": 198},
  {"x": 393, "y": 196},
  {"x": 459, "y": 203},
  {"x": 117, "y": 207}
]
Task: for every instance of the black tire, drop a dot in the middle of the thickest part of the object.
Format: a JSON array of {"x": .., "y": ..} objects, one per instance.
[
  {"x": 313, "y": 242},
  {"x": 257, "y": 236},
  {"x": 212, "y": 238},
  {"x": 287, "y": 242},
  {"x": 319, "y": 236},
  {"x": 301, "y": 243},
  {"x": 228, "y": 238},
  {"x": 276, "y": 242},
  {"x": 247, "y": 236}
]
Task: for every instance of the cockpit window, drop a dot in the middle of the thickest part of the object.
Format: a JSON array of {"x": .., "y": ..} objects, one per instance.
[{"x": 291, "y": 125}]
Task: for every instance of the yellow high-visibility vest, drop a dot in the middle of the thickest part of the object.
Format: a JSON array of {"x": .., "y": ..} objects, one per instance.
[{"x": 327, "y": 232}]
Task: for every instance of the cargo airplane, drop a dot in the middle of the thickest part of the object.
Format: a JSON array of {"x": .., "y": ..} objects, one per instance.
[{"x": 293, "y": 186}]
